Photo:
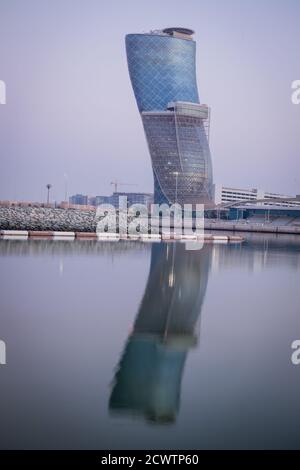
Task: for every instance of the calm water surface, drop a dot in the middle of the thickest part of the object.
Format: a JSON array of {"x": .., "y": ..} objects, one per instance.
[{"x": 130, "y": 345}]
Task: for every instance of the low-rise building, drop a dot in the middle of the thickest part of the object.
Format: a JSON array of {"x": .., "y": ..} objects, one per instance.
[
  {"x": 227, "y": 194},
  {"x": 80, "y": 199}
]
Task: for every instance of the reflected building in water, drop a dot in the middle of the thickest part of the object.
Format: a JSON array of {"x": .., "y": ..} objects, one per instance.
[{"x": 149, "y": 374}]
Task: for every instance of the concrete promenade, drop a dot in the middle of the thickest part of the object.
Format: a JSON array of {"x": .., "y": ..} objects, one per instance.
[{"x": 233, "y": 226}]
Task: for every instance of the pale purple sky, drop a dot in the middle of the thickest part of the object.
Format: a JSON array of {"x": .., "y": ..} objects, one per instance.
[{"x": 71, "y": 110}]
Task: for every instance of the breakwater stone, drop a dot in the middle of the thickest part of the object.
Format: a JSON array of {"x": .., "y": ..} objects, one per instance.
[{"x": 38, "y": 218}]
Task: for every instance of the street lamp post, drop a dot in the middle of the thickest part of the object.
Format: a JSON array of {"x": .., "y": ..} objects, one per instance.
[
  {"x": 48, "y": 186},
  {"x": 66, "y": 186},
  {"x": 176, "y": 173}
]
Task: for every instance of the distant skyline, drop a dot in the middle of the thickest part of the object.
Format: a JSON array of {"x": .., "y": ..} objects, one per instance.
[{"x": 70, "y": 113}]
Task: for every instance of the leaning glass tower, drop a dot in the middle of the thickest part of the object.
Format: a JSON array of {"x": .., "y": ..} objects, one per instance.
[{"x": 163, "y": 76}]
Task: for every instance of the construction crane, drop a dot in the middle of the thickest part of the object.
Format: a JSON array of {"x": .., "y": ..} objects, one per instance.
[{"x": 117, "y": 183}]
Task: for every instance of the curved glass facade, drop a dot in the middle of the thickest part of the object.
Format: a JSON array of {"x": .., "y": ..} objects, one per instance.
[
  {"x": 162, "y": 72},
  {"x": 162, "y": 69}
]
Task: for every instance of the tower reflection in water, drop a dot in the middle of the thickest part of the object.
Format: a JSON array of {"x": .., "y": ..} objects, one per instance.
[{"x": 149, "y": 374}]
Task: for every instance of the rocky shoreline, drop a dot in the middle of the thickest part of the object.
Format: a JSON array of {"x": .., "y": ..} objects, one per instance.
[
  {"x": 38, "y": 218},
  {"x": 77, "y": 220}
]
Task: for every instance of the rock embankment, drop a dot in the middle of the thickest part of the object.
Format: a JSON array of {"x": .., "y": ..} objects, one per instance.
[{"x": 38, "y": 218}]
